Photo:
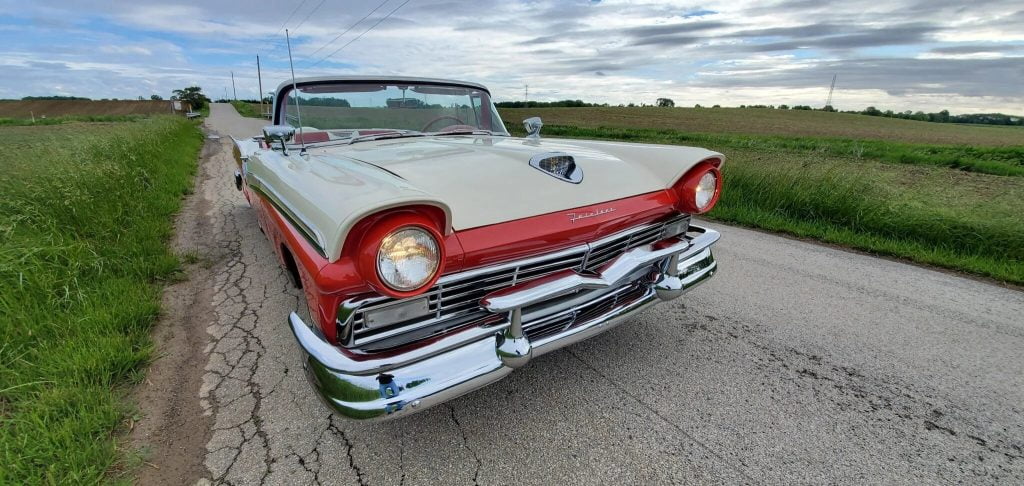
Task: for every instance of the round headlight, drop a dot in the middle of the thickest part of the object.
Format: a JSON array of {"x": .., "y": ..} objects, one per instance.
[
  {"x": 698, "y": 189},
  {"x": 408, "y": 258},
  {"x": 706, "y": 190}
]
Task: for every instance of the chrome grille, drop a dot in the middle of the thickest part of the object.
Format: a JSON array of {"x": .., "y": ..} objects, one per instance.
[{"x": 455, "y": 299}]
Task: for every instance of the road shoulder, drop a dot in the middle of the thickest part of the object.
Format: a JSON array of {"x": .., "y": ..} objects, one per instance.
[{"x": 173, "y": 429}]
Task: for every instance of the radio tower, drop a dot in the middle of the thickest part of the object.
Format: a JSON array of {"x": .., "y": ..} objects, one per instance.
[{"x": 828, "y": 102}]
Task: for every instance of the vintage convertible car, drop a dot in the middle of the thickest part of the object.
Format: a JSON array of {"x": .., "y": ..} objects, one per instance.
[{"x": 437, "y": 253}]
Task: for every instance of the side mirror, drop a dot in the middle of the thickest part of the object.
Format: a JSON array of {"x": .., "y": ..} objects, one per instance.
[
  {"x": 533, "y": 126},
  {"x": 282, "y": 133}
]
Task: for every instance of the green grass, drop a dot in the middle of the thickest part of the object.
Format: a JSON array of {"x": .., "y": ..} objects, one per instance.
[
  {"x": 251, "y": 110},
  {"x": 966, "y": 222},
  {"x": 85, "y": 216},
  {"x": 890, "y": 198},
  {"x": 1007, "y": 161}
]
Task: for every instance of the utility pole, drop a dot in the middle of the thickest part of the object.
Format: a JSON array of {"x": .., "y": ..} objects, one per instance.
[
  {"x": 828, "y": 101},
  {"x": 233, "y": 92},
  {"x": 259, "y": 78},
  {"x": 526, "y": 93}
]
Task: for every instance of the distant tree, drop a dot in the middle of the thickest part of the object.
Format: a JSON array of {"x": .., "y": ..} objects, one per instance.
[
  {"x": 631, "y": 105},
  {"x": 546, "y": 104},
  {"x": 697, "y": 105},
  {"x": 156, "y": 97},
  {"x": 872, "y": 111},
  {"x": 717, "y": 106},
  {"x": 666, "y": 103},
  {"x": 193, "y": 95},
  {"x": 828, "y": 108},
  {"x": 783, "y": 107}
]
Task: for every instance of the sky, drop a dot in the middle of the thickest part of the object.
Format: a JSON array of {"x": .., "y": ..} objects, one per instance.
[{"x": 964, "y": 56}]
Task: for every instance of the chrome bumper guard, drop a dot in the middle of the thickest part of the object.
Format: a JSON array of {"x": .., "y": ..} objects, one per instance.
[{"x": 388, "y": 384}]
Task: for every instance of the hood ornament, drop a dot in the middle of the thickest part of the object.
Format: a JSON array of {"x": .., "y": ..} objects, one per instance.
[
  {"x": 558, "y": 165},
  {"x": 532, "y": 126}
]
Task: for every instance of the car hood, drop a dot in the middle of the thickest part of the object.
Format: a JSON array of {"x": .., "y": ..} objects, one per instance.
[{"x": 488, "y": 180}]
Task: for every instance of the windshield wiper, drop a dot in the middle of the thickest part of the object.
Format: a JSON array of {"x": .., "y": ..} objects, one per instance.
[
  {"x": 477, "y": 131},
  {"x": 385, "y": 136}
]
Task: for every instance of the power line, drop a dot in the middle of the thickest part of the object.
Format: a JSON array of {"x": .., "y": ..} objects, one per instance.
[
  {"x": 310, "y": 14},
  {"x": 362, "y": 34},
  {"x": 296, "y": 9},
  {"x": 349, "y": 28}
]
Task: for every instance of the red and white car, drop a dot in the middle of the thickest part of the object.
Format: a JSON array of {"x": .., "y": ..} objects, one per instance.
[{"x": 438, "y": 254}]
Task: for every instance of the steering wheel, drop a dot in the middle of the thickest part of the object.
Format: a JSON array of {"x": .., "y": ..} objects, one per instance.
[{"x": 442, "y": 117}]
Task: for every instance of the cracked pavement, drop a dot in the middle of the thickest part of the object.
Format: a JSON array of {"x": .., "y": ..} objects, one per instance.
[{"x": 797, "y": 363}]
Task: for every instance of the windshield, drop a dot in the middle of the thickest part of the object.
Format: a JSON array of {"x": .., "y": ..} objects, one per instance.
[{"x": 352, "y": 111}]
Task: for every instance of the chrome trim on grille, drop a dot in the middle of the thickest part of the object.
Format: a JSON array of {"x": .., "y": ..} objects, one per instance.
[{"x": 455, "y": 299}]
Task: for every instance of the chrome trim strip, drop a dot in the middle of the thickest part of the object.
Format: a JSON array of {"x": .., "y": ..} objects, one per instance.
[
  {"x": 262, "y": 188},
  {"x": 368, "y": 364}
]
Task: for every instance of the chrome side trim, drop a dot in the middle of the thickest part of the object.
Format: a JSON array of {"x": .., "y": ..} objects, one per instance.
[{"x": 263, "y": 189}]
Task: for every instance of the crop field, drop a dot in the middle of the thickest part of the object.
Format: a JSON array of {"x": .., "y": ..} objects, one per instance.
[
  {"x": 85, "y": 215},
  {"x": 763, "y": 121},
  {"x": 901, "y": 194},
  {"x": 58, "y": 108}
]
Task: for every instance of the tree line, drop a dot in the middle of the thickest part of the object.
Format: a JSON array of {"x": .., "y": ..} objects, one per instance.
[{"x": 942, "y": 116}]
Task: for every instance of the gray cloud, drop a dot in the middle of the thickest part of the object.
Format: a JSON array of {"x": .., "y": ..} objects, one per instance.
[
  {"x": 974, "y": 49},
  {"x": 578, "y": 49},
  {"x": 895, "y": 76}
]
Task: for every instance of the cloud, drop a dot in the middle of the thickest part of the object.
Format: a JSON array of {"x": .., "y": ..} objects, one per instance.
[{"x": 888, "y": 54}]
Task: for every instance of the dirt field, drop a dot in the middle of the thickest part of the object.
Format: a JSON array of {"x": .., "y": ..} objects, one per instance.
[
  {"x": 759, "y": 121},
  {"x": 52, "y": 108}
]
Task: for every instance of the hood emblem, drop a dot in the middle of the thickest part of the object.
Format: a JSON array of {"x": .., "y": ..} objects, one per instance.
[
  {"x": 573, "y": 217},
  {"x": 558, "y": 165}
]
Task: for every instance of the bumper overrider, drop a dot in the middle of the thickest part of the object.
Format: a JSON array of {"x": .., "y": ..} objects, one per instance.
[{"x": 397, "y": 382}]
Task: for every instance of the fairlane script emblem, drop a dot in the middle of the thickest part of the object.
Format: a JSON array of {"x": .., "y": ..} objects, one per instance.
[{"x": 573, "y": 217}]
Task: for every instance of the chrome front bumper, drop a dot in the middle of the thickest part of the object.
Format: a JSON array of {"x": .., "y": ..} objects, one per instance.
[{"x": 397, "y": 382}]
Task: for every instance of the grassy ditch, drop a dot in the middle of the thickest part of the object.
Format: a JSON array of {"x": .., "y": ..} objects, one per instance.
[
  {"x": 815, "y": 188},
  {"x": 251, "y": 110},
  {"x": 962, "y": 221},
  {"x": 85, "y": 215}
]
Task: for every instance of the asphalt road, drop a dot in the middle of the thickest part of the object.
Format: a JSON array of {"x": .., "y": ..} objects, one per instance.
[{"x": 797, "y": 363}]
